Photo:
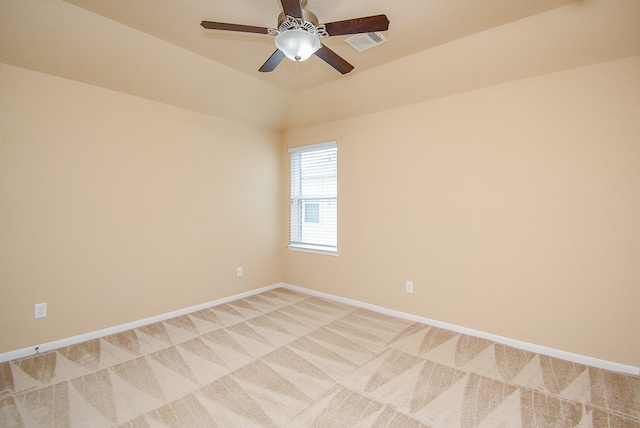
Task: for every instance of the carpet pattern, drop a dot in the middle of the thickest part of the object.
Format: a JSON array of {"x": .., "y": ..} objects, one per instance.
[{"x": 287, "y": 359}]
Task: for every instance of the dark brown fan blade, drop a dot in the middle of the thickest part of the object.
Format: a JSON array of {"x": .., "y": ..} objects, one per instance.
[
  {"x": 292, "y": 8},
  {"x": 234, "y": 27},
  {"x": 369, "y": 24},
  {"x": 334, "y": 60},
  {"x": 272, "y": 62}
]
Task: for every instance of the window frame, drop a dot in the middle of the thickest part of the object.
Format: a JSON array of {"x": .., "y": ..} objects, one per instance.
[{"x": 310, "y": 247}]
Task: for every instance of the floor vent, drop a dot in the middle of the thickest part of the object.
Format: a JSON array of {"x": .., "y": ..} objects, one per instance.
[{"x": 364, "y": 41}]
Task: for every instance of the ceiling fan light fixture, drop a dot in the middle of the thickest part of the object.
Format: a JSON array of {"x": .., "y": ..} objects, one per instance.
[
  {"x": 298, "y": 35},
  {"x": 298, "y": 44}
]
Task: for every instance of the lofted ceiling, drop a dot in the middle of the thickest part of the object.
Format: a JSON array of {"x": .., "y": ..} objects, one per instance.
[
  {"x": 156, "y": 49},
  {"x": 416, "y": 25}
]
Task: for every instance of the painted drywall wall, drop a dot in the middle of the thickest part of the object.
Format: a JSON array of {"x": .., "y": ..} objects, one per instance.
[
  {"x": 114, "y": 208},
  {"x": 514, "y": 209}
]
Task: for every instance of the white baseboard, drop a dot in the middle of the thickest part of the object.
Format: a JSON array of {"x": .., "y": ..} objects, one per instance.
[
  {"x": 569, "y": 356},
  {"x": 538, "y": 349},
  {"x": 26, "y": 352}
]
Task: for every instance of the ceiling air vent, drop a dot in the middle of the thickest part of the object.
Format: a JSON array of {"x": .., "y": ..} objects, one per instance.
[{"x": 364, "y": 41}]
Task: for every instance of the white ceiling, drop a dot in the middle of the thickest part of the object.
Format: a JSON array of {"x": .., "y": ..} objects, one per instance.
[{"x": 415, "y": 25}]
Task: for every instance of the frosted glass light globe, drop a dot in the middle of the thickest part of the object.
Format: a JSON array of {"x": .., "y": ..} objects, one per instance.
[{"x": 297, "y": 45}]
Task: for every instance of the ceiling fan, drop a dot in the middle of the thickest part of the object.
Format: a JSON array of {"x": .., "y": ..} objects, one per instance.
[{"x": 298, "y": 34}]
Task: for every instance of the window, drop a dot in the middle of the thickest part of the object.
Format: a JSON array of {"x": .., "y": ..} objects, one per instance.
[
  {"x": 314, "y": 198},
  {"x": 312, "y": 213}
]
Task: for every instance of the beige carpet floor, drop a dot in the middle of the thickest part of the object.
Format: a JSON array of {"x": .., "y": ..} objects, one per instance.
[{"x": 285, "y": 359}]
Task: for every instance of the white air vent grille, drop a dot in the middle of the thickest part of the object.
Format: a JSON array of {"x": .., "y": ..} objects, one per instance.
[{"x": 364, "y": 41}]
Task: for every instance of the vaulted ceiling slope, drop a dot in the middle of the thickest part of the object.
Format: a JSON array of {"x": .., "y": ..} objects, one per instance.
[
  {"x": 58, "y": 38},
  {"x": 157, "y": 50},
  {"x": 416, "y": 25},
  {"x": 579, "y": 34}
]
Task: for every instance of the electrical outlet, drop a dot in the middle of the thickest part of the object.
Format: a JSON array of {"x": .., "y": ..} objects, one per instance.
[
  {"x": 239, "y": 272},
  {"x": 40, "y": 310},
  {"x": 409, "y": 287}
]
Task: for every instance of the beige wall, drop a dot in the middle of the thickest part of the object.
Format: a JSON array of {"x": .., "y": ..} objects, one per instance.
[
  {"x": 114, "y": 208},
  {"x": 514, "y": 209}
]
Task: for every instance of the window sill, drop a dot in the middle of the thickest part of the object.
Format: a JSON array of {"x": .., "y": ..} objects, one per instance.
[{"x": 313, "y": 250}]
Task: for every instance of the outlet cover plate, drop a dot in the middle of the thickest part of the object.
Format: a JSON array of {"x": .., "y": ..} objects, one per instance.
[
  {"x": 409, "y": 287},
  {"x": 40, "y": 310}
]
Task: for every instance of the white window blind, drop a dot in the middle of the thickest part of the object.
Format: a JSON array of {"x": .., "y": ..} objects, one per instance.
[{"x": 314, "y": 197}]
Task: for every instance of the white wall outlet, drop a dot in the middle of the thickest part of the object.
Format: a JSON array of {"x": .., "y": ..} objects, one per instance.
[
  {"x": 239, "y": 272},
  {"x": 409, "y": 286},
  {"x": 40, "y": 310}
]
